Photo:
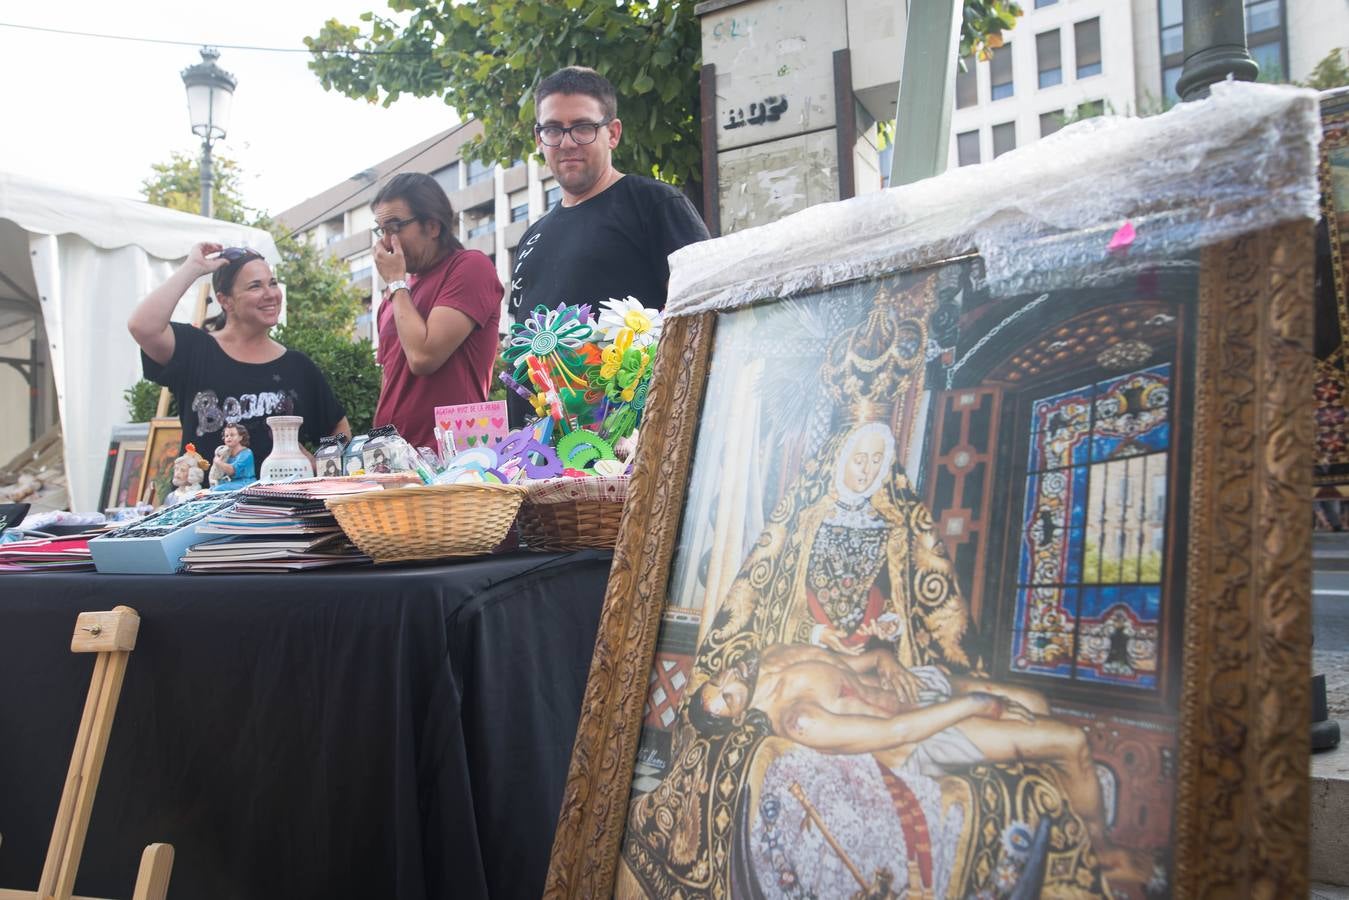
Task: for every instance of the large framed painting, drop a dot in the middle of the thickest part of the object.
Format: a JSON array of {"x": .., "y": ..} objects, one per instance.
[
  {"x": 928, "y": 588},
  {"x": 163, "y": 446},
  {"x": 1332, "y": 302}
]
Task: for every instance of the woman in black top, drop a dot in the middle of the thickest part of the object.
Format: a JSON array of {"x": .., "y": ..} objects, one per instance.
[{"x": 235, "y": 372}]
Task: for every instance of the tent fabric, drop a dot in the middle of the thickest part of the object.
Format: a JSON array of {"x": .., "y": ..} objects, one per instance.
[{"x": 92, "y": 258}]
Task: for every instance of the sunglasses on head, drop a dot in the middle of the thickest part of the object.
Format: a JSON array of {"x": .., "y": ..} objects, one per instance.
[{"x": 235, "y": 253}]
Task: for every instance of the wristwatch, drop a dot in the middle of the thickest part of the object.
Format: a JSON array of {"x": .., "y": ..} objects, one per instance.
[{"x": 399, "y": 285}]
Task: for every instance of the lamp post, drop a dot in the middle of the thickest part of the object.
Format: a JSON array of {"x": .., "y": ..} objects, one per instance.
[
  {"x": 1215, "y": 46},
  {"x": 209, "y": 91}
]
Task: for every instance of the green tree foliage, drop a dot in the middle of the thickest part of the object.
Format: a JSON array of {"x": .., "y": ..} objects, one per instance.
[
  {"x": 484, "y": 57},
  {"x": 176, "y": 184},
  {"x": 142, "y": 399},
  {"x": 1330, "y": 72},
  {"x": 321, "y": 304},
  {"x": 982, "y": 26}
]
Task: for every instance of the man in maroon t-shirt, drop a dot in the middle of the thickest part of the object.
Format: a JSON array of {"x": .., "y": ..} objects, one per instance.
[{"x": 438, "y": 328}]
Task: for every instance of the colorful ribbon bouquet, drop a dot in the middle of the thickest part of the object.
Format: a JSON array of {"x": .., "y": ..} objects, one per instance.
[{"x": 587, "y": 380}]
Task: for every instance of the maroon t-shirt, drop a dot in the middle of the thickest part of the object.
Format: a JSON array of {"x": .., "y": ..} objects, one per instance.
[{"x": 467, "y": 281}]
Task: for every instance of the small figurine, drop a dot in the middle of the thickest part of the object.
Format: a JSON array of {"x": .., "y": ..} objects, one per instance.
[
  {"x": 189, "y": 470},
  {"x": 217, "y": 474},
  {"x": 235, "y": 464}
]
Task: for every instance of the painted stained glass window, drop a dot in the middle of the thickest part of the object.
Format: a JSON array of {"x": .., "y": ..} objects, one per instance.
[{"x": 1091, "y": 560}]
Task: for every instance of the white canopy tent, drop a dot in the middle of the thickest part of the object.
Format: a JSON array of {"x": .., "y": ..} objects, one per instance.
[{"x": 72, "y": 267}]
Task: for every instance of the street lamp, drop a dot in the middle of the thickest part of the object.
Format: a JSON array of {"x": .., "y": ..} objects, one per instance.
[
  {"x": 209, "y": 91},
  {"x": 1215, "y": 46}
]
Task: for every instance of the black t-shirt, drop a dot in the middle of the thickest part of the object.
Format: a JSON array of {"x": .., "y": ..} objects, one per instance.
[
  {"x": 213, "y": 389},
  {"x": 612, "y": 246}
]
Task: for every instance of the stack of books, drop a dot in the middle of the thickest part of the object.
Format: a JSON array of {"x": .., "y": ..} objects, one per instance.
[
  {"x": 276, "y": 528},
  {"x": 69, "y": 554}
]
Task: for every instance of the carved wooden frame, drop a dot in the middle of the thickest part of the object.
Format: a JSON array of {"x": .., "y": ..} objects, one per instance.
[{"x": 1243, "y": 796}]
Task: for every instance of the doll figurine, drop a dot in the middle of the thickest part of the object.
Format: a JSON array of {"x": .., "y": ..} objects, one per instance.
[{"x": 188, "y": 474}]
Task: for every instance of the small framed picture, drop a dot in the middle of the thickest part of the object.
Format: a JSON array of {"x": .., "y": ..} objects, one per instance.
[
  {"x": 163, "y": 446},
  {"x": 122, "y": 472}
]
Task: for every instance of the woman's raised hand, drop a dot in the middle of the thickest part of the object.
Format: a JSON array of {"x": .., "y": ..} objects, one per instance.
[{"x": 200, "y": 257}]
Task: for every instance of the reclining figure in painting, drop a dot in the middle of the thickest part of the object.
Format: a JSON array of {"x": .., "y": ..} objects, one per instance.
[{"x": 912, "y": 722}]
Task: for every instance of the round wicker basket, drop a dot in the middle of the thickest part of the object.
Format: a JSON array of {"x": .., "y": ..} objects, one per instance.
[
  {"x": 428, "y": 521},
  {"x": 573, "y": 513}
]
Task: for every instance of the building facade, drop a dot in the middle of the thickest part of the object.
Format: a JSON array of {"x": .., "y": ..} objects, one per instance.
[{"x": 1069, "y": 59}]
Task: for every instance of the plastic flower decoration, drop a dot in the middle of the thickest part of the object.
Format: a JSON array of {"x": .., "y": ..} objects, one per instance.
[
  {"x": 554, "y": 337},
  {"x": 629, "y": 316}
]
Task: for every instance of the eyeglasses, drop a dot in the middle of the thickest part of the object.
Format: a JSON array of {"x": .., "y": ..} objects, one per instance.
[
  {"x": 581, "y": 133},
  {"x": 236, "y": 253},
  {"x": 393, "y": 226}
]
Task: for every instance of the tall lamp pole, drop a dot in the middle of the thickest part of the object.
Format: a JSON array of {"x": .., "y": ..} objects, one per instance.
[
  {"x": 209, "y": 92},
  {"x": 1215, "y": 46}
]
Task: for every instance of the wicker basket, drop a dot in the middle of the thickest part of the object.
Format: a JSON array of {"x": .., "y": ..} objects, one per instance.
[
  {"x": 430, "y": 521},
  {"x": 573, "y": 513}
]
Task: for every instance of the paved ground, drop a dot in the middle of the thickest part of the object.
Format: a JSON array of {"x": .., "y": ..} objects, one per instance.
[{"x": 1330, "y": 619}]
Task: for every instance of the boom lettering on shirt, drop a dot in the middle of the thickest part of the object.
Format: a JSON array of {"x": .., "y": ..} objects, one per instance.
[{"x": 213, "y": 415}]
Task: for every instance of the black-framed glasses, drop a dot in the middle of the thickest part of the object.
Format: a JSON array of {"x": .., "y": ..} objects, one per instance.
[
  {"x": 581, "y": 133},
  {"x": 236, "y": 253},
  {"x": 393, "y": 226}
]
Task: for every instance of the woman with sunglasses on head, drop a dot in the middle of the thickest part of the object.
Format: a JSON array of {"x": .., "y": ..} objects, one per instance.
[
  {"x": 438, "y": 326},
  {"x": 232, "y": 371}
]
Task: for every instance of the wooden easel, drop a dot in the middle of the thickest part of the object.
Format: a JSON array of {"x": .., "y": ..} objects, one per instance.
[{"x": 112, "y": 635}]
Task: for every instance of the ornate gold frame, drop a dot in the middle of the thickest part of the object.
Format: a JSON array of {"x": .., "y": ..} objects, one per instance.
[{"x": 1243, "y": 796}]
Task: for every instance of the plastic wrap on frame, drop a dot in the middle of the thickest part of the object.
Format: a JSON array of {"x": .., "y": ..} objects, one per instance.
[{"x": 1043, "y": 216}]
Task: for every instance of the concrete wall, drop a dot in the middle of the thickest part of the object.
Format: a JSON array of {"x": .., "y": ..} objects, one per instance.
[
  {"x": 1315, "y": 27},
  {"x": 777, "y": 118}
]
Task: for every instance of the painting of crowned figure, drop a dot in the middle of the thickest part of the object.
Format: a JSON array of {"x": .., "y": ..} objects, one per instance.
[{"x": 921, "y": 638}]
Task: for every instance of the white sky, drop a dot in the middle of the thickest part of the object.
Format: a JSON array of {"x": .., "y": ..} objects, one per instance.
[{"x": 94, "y": 114}]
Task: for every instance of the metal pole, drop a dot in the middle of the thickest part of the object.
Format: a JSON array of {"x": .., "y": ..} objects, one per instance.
[
  {"x": 1215, "y": 46},
  {"x": 926, "y": 91},
  {"x": 206, "y": 178}
]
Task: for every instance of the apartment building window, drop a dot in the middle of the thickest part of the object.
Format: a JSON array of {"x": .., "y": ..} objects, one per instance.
[
  {"x": 1091, "y": 109},
  {"x": 967, "y": 148},
  {"x": 448, "y": 177},
  {"x": 1050, "y": 122},
  {"x": 361, "y": 275},
  {"x": 1049, "y": 58},
  {"x": 519, "y": 202},
  {"x": 1041, "y": 4},
  {"x": 478, "y": 171},
  {"x": 1087, "y": 36},
  {"x": 486, "y": 226},
  {"x": 1004, "y": 138},
  {"x": 1265, "y": 37},
  {"x": 552, "y": 197},
  {"x": 967, "y": 83},
  {"x": 1000, "y": 72}
]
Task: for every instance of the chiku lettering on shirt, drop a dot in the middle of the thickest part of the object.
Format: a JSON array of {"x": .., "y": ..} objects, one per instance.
[{"x": 212, "y": 415}]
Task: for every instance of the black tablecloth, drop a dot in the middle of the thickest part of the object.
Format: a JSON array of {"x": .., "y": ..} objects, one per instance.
[{"x": 372, "y": 733}]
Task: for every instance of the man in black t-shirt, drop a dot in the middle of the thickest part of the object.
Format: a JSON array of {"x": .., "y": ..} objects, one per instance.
[{"x": 612, "y": 233}]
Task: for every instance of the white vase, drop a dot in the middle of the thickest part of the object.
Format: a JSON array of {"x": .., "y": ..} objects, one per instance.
[{"x": 287, "y": 461}]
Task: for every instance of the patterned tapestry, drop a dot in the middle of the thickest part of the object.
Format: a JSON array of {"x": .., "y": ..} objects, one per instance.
[{"x": 1332, "y": 304}]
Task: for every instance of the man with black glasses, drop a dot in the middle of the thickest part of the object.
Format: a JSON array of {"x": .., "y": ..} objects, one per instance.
[{"x": 610, "y": 236}]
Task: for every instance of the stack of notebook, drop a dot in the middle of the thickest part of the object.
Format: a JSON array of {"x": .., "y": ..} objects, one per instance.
[
  {"x": 69, "y": 554},
  {"x": 277, "y": 527}
]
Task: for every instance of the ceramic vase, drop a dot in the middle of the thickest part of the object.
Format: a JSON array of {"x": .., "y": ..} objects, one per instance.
[{"x": 286, "y": 461}]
